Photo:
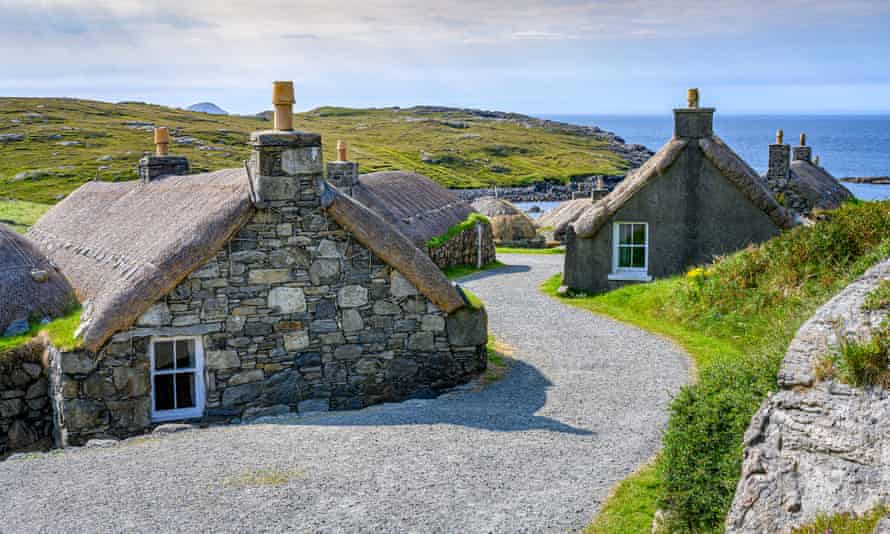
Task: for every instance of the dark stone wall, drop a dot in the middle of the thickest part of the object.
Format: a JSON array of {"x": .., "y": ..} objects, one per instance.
[
  {"x": 25, "y": 410},
  {"x": 463, "y": 248},
  {"x": 694, "y": 214}
]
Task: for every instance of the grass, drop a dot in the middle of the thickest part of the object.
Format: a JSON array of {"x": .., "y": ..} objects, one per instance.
[
  {"x": 474, "y": 301},
  {"x": 471, "y": 221},
  {"x": 60, "y": 332},
  {"x": 21, "y": 215},
  {"x": 878, "y": 298},
  {"x": 631, "y": 505},
  {"x": 735, "y": 319},
  {"x": 860, "y": 363},
  {"x": 513, "y": 250},
  {"x": 459, "y": 271},
  {"x": 379, "y": 139},
  {"x": 498, "y": 360},
  {"x": 846, "y": 523},
  {"x": 264, "y": 477}
]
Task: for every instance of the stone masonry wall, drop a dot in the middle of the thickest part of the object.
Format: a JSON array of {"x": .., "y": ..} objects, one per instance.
[
  {"x": 817, "y": 446},
  {"x": 25, "y": 412},
  {"x": 294, "y": 315},
  {"x": 463, "y": 249}
]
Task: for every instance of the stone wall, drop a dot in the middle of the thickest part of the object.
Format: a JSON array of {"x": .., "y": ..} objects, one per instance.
[
  {"x": 817, "y": 446},
  {"x": 463, "y": 248},
  {"x": 25, "y": 412},
  {"x": 294, "y": 315}
]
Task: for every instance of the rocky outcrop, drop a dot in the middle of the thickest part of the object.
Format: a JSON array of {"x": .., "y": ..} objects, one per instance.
[{"x": 817, "y": 446}]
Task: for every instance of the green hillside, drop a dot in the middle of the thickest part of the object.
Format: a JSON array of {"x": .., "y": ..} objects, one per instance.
[{"x": 48, "y": 147}]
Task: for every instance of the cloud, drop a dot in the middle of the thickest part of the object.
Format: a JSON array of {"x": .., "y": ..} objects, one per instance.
[{"x": 301, "y": 36}]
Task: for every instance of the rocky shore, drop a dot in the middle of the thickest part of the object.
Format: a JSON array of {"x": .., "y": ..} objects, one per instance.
[
  {"x": 873, "y": 180},
  {"x": 541, "y": 191}
]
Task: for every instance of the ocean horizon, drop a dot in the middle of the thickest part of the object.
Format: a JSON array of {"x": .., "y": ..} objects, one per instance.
[{"x": 847, "y": 145}]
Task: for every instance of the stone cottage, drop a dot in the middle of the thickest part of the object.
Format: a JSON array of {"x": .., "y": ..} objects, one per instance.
[
  {"x": 233, "y": 294},
  {"x": 420, "y": 209},
  {"x": 510, "y": 225},
  {"x": 691, "y": 201},
  {"x": 799, "y": 183}
]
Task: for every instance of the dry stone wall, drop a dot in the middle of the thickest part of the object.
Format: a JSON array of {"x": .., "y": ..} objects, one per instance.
[
  {"x": 464, "y": 248},
  {"x": 25, "y": 412},
  {"x": 294, "y": 315},
  {"x": 817, "y": 447}
]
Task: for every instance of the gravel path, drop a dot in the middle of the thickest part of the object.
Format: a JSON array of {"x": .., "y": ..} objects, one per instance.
[{"x": 583, "y": 405}]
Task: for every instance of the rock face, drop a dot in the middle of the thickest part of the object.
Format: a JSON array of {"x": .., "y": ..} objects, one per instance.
[
  {"x": 817, "y": 447},
  {"x": 207, "y": 107}
]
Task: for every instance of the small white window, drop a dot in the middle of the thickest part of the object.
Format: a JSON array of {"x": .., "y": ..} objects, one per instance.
[
  {"x": 630, "y": 251},
  {"x": 177, "y": 378}
]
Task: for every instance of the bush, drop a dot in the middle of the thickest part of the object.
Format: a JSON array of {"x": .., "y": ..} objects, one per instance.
[{"x": 860, "y": 363}]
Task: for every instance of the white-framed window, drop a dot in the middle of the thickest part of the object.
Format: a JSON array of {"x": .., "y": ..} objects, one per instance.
[
  {"x": 630, "y": 251},
  {"x": 177, "y": 378}
]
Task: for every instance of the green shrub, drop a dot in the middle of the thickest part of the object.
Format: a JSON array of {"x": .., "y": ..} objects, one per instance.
[
  {"x": 846, "y": 523},
  {"x": 879, "y": 298},
  {"x": 468, "y": 223},
  {"x": 860, "y": 363}
]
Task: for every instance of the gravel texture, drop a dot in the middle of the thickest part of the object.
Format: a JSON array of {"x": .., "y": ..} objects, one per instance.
[{"x": 582, "y": 406}]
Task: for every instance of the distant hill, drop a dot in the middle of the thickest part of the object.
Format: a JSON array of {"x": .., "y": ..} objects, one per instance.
[
  {"x": 207, "y": 107},
  {"x": 48, "y": 147}
]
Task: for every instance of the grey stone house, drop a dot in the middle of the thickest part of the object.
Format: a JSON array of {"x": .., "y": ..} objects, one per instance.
[
  {"x": 798, "y": 182},
  {"x": 420, "y": 209},
  {"x": 691, "y": 201},
  {"x": 239, "y": 293}
]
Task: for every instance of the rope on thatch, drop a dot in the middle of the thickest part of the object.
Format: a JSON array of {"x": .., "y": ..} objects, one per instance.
[
  {"x": 590, "y": 222},
  {"x": 30, "y": 286},
  {"x": 745, "y": 179},
  {"x": 125, "y": 245},
  {"x": 391, "y": 246}
]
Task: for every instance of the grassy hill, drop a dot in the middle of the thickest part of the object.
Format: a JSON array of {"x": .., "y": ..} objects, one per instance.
[{"x": 48, "y": 147}]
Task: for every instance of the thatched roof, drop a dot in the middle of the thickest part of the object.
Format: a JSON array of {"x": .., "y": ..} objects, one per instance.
[
  {"x": 733, "y": 167},
  {"x": 508, "y": 222},
  {"x": 820, "y": 189},
  {"x": 30, "y": 286},
  {"x": 392, "y": 246},
  {"x": 125, "y": 245},
  {"x": 559, "y": 218},
  {"x": 420, "y": 208}
]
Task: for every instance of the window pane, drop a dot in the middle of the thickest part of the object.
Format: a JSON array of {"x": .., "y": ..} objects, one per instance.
[
  {"x": 185, "y": 354},
  {"x": 639, "y": 257},
  {"x": 639, "y": 237},
  {"x": 164, "y": 392},
  {"x": 625, "y": 257},
  {"x": 624, "y": 233},
  {"x": 164, "y": 355},
  {"x": 185, "y": 390}
]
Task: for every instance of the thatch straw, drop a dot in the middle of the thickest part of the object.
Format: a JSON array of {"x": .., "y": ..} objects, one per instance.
[
  {"x": 508, "y": 223},
  {"x": 820, "y": 189},
  {"x": 746, "y": 180},
  {"x": 30, "y": 286},
  {"x": 559, "y": 218},
  {"x": 589, "y": 222},
  {"x": 418, "y": 207},
  {"x": 391, "y": 246},
  {"x": 125, "y": 245}
]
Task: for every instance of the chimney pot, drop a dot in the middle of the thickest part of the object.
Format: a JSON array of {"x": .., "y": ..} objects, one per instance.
[
  {"x": 803, "y": 139},
  {"x": 162, "y": 140},
  {"x": 692, "y": 98},
  {"x": 780, "y": 137},
  {"x": 341, "y": 151},
  {"x": 283, "y": 100}
]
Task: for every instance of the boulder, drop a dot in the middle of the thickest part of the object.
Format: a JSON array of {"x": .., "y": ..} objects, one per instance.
[{"x": 467, "y": 327}]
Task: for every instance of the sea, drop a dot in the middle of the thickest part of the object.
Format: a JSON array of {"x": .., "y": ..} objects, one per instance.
[{"x": 847, "y": 145}]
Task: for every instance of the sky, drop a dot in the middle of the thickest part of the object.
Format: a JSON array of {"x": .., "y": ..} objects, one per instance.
[{"x": 528, "y": 56}]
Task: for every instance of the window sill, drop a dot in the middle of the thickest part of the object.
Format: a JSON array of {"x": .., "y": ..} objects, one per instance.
[{"x": 630, "y": 276}]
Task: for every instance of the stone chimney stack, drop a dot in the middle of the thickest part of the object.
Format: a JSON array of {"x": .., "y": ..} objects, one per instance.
[
  {"x": 343, "y": 174},
  {"x": 779, "y": 160},
  {"x": 285, "y": 166},
  {"x": 693, "y": 122},
  {"x": 161, "y": 163},
  {"x": 600, "y": 191},
  {"x": 802, "y": 152}
]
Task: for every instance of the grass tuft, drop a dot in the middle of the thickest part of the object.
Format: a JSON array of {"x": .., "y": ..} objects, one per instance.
[
  {"x": 471, "y": 221},
  {"x": 846, "y": 523},
  {"x": 498, "y": 360},
  {"x": 879, "y": 298},
  {"x": 860, "y": 363}
]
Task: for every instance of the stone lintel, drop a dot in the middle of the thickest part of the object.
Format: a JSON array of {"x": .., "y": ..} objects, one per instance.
[
  {"x": 170, "y": 331},
  {"x": 291, "y": 139}
]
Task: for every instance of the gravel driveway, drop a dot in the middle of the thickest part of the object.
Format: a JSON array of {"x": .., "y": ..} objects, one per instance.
[{"x": 581, "y": 408}]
